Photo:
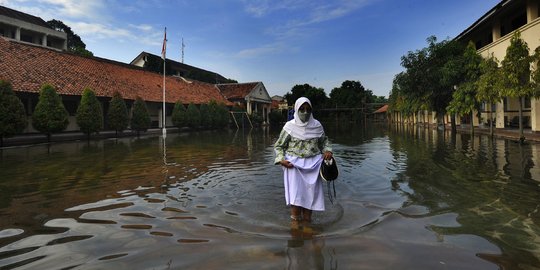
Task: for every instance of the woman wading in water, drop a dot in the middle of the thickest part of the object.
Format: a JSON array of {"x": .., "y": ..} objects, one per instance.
[{"x": 300, "y": 149}]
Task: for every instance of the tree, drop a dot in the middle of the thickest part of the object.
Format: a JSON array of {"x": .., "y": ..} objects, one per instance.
[
  {"x": 193, "y": 116},
  {"x": 50, "y": 115},
  {"x": 12, "y": 113},
  {"x": 488, "y": 85},
  {"x": 179, "y": 115},
  {"x": 351, "y": 94},
  {"x": 431, "y": 74},
  {"x": 140, "y": 121},
  {"x": 74, "y": 42},
  {"x": 516, "y": 75},
  {"x": 219, "y": 114},
  {"x": 464, "y": 99},
  {"x": 89, "y": 113},
  {"x": 206, "y": 120},
  {"x": 317, "y": 96},
  {"x": 117, "y": 116}
]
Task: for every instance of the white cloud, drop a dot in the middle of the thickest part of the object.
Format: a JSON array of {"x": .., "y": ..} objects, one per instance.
[
  {"x": 264, "y": 50},
  {"x": 76, "y": 8},
  {"x": 143, "y": 27},
  {"x": 306, "y": 15}
]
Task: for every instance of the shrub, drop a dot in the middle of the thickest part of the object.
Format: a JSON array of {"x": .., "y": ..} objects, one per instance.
[
  {"x": 206, "y": 117},
  {"x": 276, "y": 117},
  {"x": 193, "y": 116},
  {"x": 117, "y": 117},
  {"x": 179, "y": 115},
  {"x": 89, "y": 113},
  {"x": 12, "y": 113},
  {"x": 50, "y": 115},
  {"x": 140, "y": 120}
]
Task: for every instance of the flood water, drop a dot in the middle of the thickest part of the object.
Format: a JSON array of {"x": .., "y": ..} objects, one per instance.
[{"x": 406, "y": 199}]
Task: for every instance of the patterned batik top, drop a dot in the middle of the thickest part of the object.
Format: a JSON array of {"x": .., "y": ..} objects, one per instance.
[{"x": 286, "y": 144}]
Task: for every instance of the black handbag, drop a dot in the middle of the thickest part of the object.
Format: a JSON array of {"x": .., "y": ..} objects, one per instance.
[{"x": 329, "y": 173}]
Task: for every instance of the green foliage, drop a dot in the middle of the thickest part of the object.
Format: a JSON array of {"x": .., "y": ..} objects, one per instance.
[
  {"x": 117, "y": 116},
  {"x": 429, "y": 79},
  {"x": 12, "y": 113},
  {"x": 74, "y": 41},
  {"x": 193, "y": 116},
  {"x": 317, "y": 96},
  {"x": 464, "y": 99},
  {"x": 140, "y": 121},
  {"x": 276, "y": 117},
  {"x": 536, "y": 72},
  {"x": 89, "y": 113},
  {"x": 179, "y": 115},
  {"x": 206, "y": 120},
  {"x": 516, "y": 74},
  {"x": 351, "y": 94},
  {"x": 50, "y": 115},
  {"x": 219, "y": 114},
  {"x": 488, "y": 83},
  {"x": 516, "y": 70},
  {"x": 256, "y": 118}
]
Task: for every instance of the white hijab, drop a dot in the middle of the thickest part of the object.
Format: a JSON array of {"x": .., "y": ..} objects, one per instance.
[{"x": 303, "y": 131}]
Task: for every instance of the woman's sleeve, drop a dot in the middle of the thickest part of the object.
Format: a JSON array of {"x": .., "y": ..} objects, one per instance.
[
  {"x": 324, "y": 144},
  {"x": 281, "y": 145}
]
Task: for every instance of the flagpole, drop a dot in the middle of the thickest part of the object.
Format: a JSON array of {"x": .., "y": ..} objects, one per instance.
[{"x": 164, "y": 52}]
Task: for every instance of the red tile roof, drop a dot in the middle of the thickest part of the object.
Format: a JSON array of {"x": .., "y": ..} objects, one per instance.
[
  {"x": 237, "y": 90},
  {"x": 28, "y": 67},
  {"x": 382, "y": 109}
]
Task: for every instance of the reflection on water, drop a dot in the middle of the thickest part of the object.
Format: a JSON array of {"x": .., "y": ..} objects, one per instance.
[{"x": 407, "y": 199}]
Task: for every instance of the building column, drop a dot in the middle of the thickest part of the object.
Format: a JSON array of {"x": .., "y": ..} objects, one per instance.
[
  {"x": 499, "y": 115},
  {"x": 496, "y": 30},
  {"x": 475, "y": 120},
  {"x": 535, "y": 114},
  {"x": 18, "y": 33},
  {"x": 44, "y": 40},
  {"x": 532, "y": 10}
]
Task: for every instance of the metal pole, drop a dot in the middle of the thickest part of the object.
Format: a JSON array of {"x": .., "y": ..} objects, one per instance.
[
  {"x": 163, "y": 126},
  {"x": 163, "y": 123}
]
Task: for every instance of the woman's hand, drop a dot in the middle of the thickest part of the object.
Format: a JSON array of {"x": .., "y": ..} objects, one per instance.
[
  {"x": 286, "y": 164},
  {"x": 327, "y": 155}
]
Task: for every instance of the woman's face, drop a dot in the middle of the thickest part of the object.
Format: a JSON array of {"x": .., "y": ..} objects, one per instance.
[{"x": 304, "y": 112}]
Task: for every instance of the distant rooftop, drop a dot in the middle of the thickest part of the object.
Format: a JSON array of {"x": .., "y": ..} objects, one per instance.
[{"x": 8, "y": 12}]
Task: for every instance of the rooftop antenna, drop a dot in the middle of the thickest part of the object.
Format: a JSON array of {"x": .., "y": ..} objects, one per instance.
[{"x": 183, "y": 46}]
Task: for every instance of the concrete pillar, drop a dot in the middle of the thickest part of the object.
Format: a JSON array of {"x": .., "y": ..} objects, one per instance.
[
  {"x": 476, "y": 121},
  {"x": 535, "y": 114},
  {"x": 496, "y": 30},
  {"x": 44, "y": 40},
  {"x": 18, "y": 33},
  {"x": 499, "y": 123},
  {"x": 532, "y": 10}
]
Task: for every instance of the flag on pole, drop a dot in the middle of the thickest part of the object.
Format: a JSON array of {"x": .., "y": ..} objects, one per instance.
[{"x": 164, "y": 48}]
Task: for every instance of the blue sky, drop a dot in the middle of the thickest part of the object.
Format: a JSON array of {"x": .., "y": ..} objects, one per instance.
[{"x": 279, "y": 42}]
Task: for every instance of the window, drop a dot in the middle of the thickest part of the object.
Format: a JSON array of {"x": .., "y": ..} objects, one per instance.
[{"x": 26, "y": 38}]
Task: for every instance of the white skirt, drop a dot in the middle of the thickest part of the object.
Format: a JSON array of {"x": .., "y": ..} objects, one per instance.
[{"x": 302, "y": 184}]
